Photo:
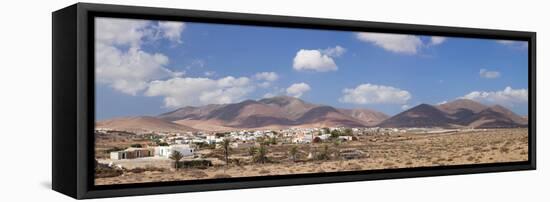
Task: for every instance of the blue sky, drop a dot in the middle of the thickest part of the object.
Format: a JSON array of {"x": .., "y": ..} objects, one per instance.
[{"x": 150, "y": 67}]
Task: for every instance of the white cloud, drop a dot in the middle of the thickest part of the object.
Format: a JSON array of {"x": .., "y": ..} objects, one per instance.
[
  {"x": 265, "y": 84},
  {"x": 397, "y": 43},
  {"x": 317, "y": 60},
  {"x": 120, "y": 61},
  {"x": 298, "y": 89},
  {"x": 269, "y": 95},
  {"x": 171, "y": 30},
  {"x": 209, "y": 73},
  {"x": 129, "y": 72},
  {"x": 506, "y": 42},
  {"x": 196, "y": 91},
  {"x": 507, "y": 97},
  {"x": 374, "y": 94},
  {"x": 442, "y": 102},
  {"x": 177, "y": 74},
  {"x": 436, "y": 40},
  {"x": 337, "y": 51},
  {"x": 267, "y": 76},
  {"x": 178, "y": 92},
  {"x": 516, "y": 44},
  {"x": 121, "y": 32},
  {"x": 405, "y": 107},
  {"x": 484, "y": 73},
  {"x": 276, "y": 91}
]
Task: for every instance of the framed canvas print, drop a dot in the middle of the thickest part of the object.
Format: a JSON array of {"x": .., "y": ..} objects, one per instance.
[{"x": 154, "y": 100}]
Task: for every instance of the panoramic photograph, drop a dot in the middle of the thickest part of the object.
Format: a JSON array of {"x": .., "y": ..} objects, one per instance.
[{"x": 187, "y": 101}]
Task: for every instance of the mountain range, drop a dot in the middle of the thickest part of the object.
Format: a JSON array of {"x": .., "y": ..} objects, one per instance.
[
  {"x": 275, "y": 112},
  {"x": 284, "y": 112},
  {"x": 460, "y": 113}
]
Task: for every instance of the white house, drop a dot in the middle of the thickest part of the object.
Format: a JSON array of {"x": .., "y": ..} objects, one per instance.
[
  {"x": 346, "y": 138},
  {"x": 324, "y": 136},
  {"x": 258, "y": 132},
  {"x": 131, "y": 153},
  {"x": 212, "y": 139},
  {"x": 303, "y": 139},
  {"x": 166, "y": 151},
  {"x": 241, "y": 145}
]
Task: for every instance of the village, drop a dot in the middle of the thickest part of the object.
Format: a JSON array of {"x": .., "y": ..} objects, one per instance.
[
  {"x": 134, "y": 157},
  {"x": 188, "y": 143}
]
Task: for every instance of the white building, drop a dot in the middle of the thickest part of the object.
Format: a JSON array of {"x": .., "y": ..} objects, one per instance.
[
  {"x": 212, "y": 139},
  {"x": 304, "y": 139},
  {"x": 244, "y": 138},
  {"x": 131, "y": 153},
  {"x": 258, "y": 132},
  {"x": 166, "y": 151},
  {"x": 346, "y": 138},
  {"x": 324, "y": 136}
]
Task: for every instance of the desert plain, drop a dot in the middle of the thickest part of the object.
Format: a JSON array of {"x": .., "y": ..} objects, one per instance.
[{"x": 406, "y": 150}]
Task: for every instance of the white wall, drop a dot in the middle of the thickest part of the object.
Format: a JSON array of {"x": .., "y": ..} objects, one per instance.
[{"x": 25, "y": 108}]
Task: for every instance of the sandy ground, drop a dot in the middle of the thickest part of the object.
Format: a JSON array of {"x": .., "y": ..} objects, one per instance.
[
  {"x": 158, "y": 162},
  {"x": 380, "y": 152}
]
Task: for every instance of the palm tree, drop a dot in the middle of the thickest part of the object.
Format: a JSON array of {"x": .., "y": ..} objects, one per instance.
[
  {"x": 335, "y": 134},
  {"x": 262, "y": 153},
  {"x": 337, "y": 144},
  {"x": 348, "y": 132},
  {"x": 294, "y": 152},
  {"x": 324, "y": 155},
  {"x": 273, "y": 141},
  {"x": 252, "y": 151},
  {"x": 176, "y": 156},
  {"x": 225, "y": 147}
]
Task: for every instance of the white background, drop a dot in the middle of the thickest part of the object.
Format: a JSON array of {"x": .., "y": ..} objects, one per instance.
[{"x": 25, "y": 105}]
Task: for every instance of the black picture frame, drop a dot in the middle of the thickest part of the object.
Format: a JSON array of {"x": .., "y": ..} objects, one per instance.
[{"x": 73, "y": 100}]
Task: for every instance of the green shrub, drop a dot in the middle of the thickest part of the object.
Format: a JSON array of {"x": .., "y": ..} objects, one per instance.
[
  {"x": 324, "y": 154},
  {"x": 335, "y": 133},
  {"x": 163, "y": 144},
  {"x": 107, "y": 172},
  {"x": 200, "y": 164}
]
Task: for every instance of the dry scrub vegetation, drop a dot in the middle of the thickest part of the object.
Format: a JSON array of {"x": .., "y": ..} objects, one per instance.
[{"x": 377, "y": 152}]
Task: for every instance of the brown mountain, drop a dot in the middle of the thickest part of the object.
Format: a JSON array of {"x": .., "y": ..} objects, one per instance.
[
  {"x": 142, "y": 124},
  {"x": 190, "y": 112},
  {"x": 284, "y": 112},
  {"x": 249, "y": 114},
  {"x": 423, "y": 115},
  {"x": 276, "y": 112},
  {"x": 456, "y": 114},
  {"x": 367, "y": 117},
  {"x": 292, "y": 107},
  {"x": 461, "y": 110},
  {"x": 496, "y": 117},
  {"x": 461, "y": 107},
  {"x": 326, "y": 116}
]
